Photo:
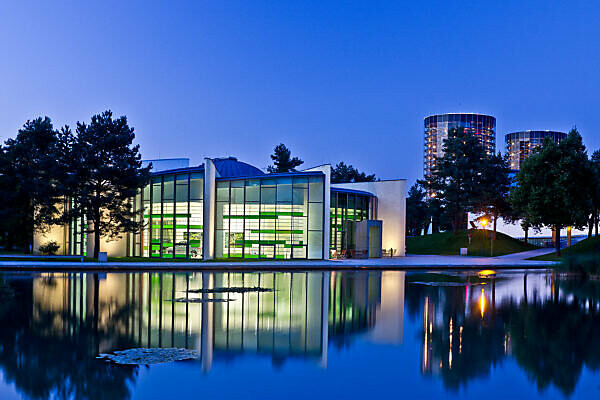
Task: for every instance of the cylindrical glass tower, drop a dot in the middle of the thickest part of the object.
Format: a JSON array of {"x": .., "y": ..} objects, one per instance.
[
  {"x": 438, "y": 126},
  {"x": 520, "y": 144}
]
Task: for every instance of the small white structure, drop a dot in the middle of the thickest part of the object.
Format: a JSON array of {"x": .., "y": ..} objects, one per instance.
[{"x": 391, "y": 209}]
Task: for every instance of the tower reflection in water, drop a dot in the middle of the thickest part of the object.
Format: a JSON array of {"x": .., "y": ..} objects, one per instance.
[{"x": 225, "y": 315}]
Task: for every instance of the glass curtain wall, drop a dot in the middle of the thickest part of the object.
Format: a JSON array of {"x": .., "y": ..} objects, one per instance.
[
  {"x": 279, "y": 218},
  {"x": 437, "y": 128},
  {"x": 346, "y": 209},
  {"x": 77, "y": 237},
  {"x": 172, "y": 209},
  {"x": 519, "y": 145}
]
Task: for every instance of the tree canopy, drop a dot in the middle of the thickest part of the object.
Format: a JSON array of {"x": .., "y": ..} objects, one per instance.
[
  {"x": 31, "y": 168},
  {"x": 416, "y": 210},
  {"x": 107, "y": 173},
  {"x": 457, "y": 177},
  {"x": 551, "y": 185},
  {"x": 495, "y": 184},
  {"x": 283, "y": 160},
  {"x": 343, "y": 173}
]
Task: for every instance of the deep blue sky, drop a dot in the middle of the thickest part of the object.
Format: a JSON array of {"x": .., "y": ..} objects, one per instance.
[{"x": 334, "y": 81}]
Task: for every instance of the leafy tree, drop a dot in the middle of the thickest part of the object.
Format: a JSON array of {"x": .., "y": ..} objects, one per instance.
[
  {"x": 495, "y": 188},
  {"x": 594, "y": 189},
  {"x": 551, "y": 183},
  {"x": 282, "y": 160},
  {"x": 106, "y": 173},
  {"x": 456, "y": 179},
  {"x": 416, "y": 210},
  {"x": 343, "y": 173},
  {"x": 30, "y": 168}
]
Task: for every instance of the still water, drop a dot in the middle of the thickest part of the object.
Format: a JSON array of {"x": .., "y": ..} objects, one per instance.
[{"x": 301, "y": 335}]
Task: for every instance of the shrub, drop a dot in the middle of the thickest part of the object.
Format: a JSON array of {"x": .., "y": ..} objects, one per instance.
[{"x": 49, "y": 248}]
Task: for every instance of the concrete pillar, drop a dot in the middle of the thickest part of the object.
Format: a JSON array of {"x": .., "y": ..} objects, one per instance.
[
  {"x": 326, "y": 169},
  {"x": 207, "y": 323},
  {"x": 210, "y": 206},
  {"x": 325, "y": 317},
  {"x": 326, "y": 212}
]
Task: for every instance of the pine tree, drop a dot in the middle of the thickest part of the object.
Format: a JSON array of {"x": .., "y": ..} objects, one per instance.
[
  {"x": 283, "y": 161},
  {"x": 343, "y": 173},
  {"x": 30, "y": 171},
  {"x": 495, "y": 187},
  {"x": 457, "y": 178},
  {"x": 107, "y": 172}
]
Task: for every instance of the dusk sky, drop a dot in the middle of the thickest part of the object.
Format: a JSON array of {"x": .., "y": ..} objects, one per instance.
[{"x": 334, "y": 81}]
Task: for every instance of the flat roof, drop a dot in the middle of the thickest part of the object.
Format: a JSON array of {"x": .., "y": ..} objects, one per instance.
[{"x": 353, "y": 191}]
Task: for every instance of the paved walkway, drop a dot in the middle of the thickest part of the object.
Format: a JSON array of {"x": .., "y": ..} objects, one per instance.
[
  {"x": 527, "y": 254},
  {"x": 408, "y": 262}
]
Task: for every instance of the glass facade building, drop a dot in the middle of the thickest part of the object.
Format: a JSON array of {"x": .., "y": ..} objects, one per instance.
[
  {"x": 172, "y": 210},
  {"x": 257, "y": 216},
  {"x": 519, "y": 145},
  {"x": 437, "y": 128},
  {"x": 348, "y": 207},
  {"x": 277, "y": 217},
  {"x": 227, "y": 209}
]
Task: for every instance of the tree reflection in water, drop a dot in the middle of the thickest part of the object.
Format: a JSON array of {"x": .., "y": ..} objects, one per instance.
[
  {"x": 54, "y": 325},
  {"x": 465, "y": 333},
  {"x": 51, "y": 354}
]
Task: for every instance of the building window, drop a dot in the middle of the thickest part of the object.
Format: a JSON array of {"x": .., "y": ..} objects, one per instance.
[{"x": 270, "y": 218}]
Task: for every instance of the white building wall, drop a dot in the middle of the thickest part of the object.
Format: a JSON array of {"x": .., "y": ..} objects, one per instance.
[
  {"x": 113, "y": 248},
  {"x": 55, "y": 233},
  {"x": 391, "y": 210}
]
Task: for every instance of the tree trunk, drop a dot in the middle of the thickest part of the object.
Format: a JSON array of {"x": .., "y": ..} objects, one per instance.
[
  {"x": 96, "y": 233},
  {"x": 526, "y": 235},
  {"x": 455, "y": 224},
  {"x": 596, "y": 222},
  {"x": 557, "y": 240},
  {"x": 495, "y": 220},
  {"x": 591, "y": 226}
]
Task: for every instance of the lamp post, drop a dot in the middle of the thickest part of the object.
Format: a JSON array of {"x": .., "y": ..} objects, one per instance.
[{"x": 484, "y": 223}]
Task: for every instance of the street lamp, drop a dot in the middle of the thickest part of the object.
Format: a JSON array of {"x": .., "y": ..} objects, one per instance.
[{"x": 484, "y": 223}]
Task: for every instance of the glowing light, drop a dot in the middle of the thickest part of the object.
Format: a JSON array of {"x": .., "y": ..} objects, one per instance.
[
  {"x": 482, "y": 303},
  {"x": 486, "y": 273},
  {"x": 484, "y": 222}
]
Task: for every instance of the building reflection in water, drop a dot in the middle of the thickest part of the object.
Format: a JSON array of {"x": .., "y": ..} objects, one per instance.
[
  {"x": 226, "y": 315},
  {"x": 54, "y": 325}
]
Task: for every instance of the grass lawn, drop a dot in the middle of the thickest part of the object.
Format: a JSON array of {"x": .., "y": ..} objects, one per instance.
[
  {"x": 446, "y": 243},
  {"x": 587, "y": 246}
]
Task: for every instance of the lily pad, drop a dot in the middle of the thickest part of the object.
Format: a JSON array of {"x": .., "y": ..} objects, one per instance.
[
  {"x": 196, "y": 300},
  {"x": 147, "y": 356},
  {"x": 231, "y": 290}
]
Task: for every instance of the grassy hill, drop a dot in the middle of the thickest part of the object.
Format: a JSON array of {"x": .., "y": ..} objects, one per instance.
[
  {"x": 589, "y": 246},
  {"x": 446, "y": 243}
]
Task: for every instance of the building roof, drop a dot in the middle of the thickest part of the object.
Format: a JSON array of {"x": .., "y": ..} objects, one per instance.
[
  {"x": 352, "y": 191},
  {"x": 230, "y": 167}
]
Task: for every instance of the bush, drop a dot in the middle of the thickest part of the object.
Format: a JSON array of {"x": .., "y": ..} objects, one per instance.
[{"x": 49, "y": 248}]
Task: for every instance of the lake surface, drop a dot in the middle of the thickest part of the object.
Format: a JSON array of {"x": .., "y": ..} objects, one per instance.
[{"x": 301, "y": 335}]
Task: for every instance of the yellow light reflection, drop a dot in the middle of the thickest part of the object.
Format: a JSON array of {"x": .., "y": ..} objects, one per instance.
[
  {"x": 486, "y": 273},
  {"x": 482, "y": 303}
]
